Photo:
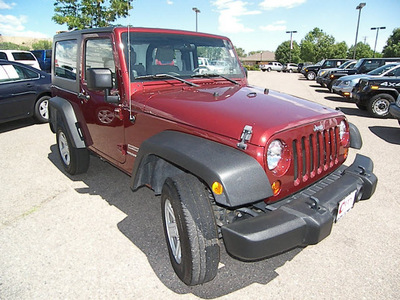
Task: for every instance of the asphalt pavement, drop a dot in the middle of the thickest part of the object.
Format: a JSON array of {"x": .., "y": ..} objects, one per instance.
[{"x": 90, "y": 237}]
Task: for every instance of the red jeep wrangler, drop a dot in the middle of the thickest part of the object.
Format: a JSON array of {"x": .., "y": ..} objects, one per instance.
[{"x": 259, "y": 170}]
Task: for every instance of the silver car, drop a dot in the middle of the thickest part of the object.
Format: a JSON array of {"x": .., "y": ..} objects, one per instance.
[{"x": 344, "y": 85}]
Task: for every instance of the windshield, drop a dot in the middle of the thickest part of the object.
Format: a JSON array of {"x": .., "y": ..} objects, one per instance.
[
  {"x": 320, "y": 62},
  {"x": 382, "y": 69},
  {"x": 178, "y": 55},
  {"x": 345, "y": 64}
]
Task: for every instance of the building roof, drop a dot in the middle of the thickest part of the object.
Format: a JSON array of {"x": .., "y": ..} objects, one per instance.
[{"x": 260, "y": 56}]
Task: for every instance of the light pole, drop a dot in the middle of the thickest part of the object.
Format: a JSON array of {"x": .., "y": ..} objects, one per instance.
[
  {"x": 359, "y": 7},
  {"x": 377, "y": 32},
  {"x": 291, "y": 43},
  {"x": 196, "y": 10}
]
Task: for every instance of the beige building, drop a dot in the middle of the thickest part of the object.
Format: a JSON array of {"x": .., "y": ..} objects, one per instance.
[{"x": 259, "y": 58}]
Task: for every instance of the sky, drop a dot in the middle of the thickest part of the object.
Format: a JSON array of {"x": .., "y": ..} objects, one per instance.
[{"x": 252, "y": 25}]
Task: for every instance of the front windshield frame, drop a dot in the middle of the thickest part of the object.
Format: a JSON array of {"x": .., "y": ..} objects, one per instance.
[{"x": 150, "y": 54}]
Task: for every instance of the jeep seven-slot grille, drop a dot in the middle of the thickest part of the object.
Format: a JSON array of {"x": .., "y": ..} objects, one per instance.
[{"x": 315, "y": 153}]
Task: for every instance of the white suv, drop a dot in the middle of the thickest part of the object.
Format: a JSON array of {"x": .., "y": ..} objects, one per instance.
[{"x": 24, "y": 57}]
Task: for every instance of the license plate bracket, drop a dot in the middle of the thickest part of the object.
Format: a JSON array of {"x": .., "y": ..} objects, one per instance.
[{"x": 345, "y": 205}]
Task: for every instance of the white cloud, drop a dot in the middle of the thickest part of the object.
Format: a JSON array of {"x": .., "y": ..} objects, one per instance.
[
  {"x": 4, "y": 5},
  {"x": 169, "y": 2},
  {"x": 14, "y": 26},
  {"x": 272, "y": 4},
  {"x": 230, "y": 12},
  {"x": 276, "y": 26}
]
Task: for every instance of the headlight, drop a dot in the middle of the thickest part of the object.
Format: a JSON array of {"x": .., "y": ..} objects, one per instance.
[
  {"x": 323, "y": 73},
  {"x": 278, "y": 157},
  {"x": 344, "y": 134},
  {"x": 346, "y": 82}
]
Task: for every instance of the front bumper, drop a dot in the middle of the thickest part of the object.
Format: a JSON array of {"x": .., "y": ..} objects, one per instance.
[
  {"x": 394, "y": 110},
  {"x": 302, "y": 219}
]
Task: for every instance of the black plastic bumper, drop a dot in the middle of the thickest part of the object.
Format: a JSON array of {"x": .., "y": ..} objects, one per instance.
[
  {"x": 302, "y": 219},
  {"x": 394, "y": 110}
]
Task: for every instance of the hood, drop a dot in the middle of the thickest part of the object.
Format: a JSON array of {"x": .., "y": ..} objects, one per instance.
[
  {"x": 355, "y": 76},
  {"x": 226, "y": 109}
]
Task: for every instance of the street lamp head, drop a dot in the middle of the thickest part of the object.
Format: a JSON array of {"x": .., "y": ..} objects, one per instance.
[
  {"x": 196, "y": 10},
  {"x": 361, "y": 5}
]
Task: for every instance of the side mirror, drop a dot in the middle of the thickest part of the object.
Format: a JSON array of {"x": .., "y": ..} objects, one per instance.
[{"x": 101, "y": 79}]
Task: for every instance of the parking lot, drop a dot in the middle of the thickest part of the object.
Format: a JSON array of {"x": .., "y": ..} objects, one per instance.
[{"x": 90, "y": 237}]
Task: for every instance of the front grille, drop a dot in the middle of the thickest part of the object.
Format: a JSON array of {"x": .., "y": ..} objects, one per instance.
[{"x": 315, "y": 154}]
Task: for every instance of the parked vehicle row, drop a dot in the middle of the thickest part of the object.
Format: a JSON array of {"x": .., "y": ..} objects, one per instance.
[
  {"x": 373, "y": 83},
  {"x": 24, "y": 92},
  {"x": 311, "y": 71}
]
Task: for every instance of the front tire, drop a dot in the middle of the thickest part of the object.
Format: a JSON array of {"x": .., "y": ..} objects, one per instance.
[
  {"x": 41, "y": 112},
  {"x": 74, "y": 160},
  {"x": 378, "y": 105},
  {"x": 311, "y": 75},
  {"x": 190, "y": 229}
]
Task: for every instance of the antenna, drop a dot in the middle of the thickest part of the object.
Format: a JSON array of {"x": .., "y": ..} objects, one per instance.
[{"x": 131, "y": 117}]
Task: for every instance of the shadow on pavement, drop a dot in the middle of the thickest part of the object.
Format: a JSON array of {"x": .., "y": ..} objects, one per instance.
[
  {"x": 355, "y": 112},
  {"x": 143, "y": 227},
  {"x": 12, "y": 125},
  {"x": 388, "y": 134}
]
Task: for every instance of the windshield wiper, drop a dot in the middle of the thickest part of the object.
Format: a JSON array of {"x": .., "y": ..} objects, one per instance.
[
  {"x": 209, "y": 75},
  {"x": 161, "y": 76}
]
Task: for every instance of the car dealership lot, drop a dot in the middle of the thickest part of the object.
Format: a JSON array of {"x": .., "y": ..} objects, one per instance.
[{"x": 90, "y": 236}]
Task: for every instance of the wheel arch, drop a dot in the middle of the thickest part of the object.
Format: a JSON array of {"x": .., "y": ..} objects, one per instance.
[
  {"x": 62, "y": 113},
  {"x": 169, "y": 153}
]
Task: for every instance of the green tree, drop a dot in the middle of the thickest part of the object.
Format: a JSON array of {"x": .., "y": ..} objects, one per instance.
[
  {"x": 42, "y": 45},
  {"x": 392, "y": 48},
  {"x": 318, "y": 45},
  {"x": 240, "y": 52},
  {"x": 80, "y": 14},
  {"x": 12, "y": 46},
  {"x": 362, "y": 51},
  {"x": 284, "y": 55}
]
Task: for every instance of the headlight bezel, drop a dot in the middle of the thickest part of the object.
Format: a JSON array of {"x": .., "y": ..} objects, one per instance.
[{"x": 278, "y": 158}]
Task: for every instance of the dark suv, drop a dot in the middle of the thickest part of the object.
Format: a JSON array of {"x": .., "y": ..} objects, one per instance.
[
  {"x": 257, "y": 170},
  {"x": 310, "y": 72}
]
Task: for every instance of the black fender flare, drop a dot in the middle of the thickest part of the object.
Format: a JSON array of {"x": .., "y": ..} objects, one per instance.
[
  {"x": 243, "y": 179},
  {"x": 61, "y": 112},
  {"x": 355, "y": 137}
]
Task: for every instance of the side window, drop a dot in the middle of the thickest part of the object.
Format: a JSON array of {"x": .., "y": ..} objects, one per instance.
[
  {"x": 396, "y": 72},
  {"x": 65, "y": 59},
  {"x": 9, "y": 73},
  {"x": 31, "y": 74},
  {"x": 3, "y": 56},
  {"x": 99, "y": 54}
]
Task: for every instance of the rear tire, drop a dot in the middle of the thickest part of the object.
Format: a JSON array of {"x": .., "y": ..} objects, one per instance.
[
  {"x": 190, "y": 229},
  {"x": 378, "y": 105},
  {"x": 41, "y": 109},
  {"x": 74, "y": 160}
]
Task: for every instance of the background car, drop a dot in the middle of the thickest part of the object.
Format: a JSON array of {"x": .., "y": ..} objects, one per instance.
[
  {"x": 44, "y": 59},
  {"x": 24, "y": 92},
  {"x": 272, "y": 66},
  {"x": 345, "y": 85},
  {"x": 290, "y": 68},
  {"x": 24, "y": 57}
]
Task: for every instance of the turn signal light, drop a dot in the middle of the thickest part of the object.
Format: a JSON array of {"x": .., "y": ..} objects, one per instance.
[
  {"x": 276, "y": 187},
  {"x": 217, "y": 188},
  {"x": 374, "y": 87}
]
